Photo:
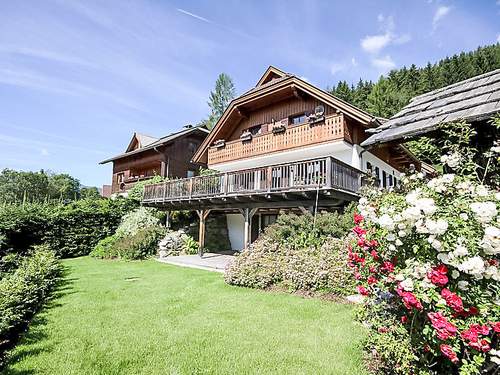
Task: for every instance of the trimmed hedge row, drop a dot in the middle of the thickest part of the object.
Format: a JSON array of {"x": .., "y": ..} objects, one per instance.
[
  {"x": 72, "y": 230},
  {"x": 23, "y": 292}
]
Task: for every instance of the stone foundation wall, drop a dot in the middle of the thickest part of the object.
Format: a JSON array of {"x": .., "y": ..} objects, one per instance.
[{"x": 216, "y": 234}]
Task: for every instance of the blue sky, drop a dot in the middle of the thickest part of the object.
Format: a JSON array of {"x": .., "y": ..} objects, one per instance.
[{"x": 77, "y": 78}]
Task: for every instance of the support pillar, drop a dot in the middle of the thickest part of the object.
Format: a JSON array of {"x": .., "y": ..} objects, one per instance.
[
  {"x": 168, "y": 223},
  {"x": 248, "y": 215},
  {"x": 202, "y": 214}
]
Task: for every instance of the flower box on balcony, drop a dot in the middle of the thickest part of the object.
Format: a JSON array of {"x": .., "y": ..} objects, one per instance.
[
  {"x": 220, "y": 143},
  {"x": 246, "y": 136}
]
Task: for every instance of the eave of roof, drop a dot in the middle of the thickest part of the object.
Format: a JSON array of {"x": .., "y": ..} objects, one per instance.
[
  {"x": 160, "y": 142},
  {"x": 474, "y": 99}
]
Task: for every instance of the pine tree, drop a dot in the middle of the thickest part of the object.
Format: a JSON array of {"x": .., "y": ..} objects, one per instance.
[{"x": 219, "y": 99}]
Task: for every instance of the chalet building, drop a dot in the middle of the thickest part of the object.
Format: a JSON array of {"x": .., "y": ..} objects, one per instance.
[
  {"x": 283, "y": 145},
  {"x": 146, "y": 157},
  {"x": 475, "y": 100}
]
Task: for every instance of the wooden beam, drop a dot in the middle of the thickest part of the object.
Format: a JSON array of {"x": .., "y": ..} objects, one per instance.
[{"x": 202, "y": 215}]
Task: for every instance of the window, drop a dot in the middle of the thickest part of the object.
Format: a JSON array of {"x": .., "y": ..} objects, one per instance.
[
  {"x": 298, "y": 119},
  {"x": 384, "y": 179},
  {"x": 368, "y": 166},
  {"x": 190, "y": 173},
  {"x": 390, "y": 180},
  {"x": 254, "y": 130},
  {"x": 120, "y": 177},
  {"x": 377, "y": 175}
]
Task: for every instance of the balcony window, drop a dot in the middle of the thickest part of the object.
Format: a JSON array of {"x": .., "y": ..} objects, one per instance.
[
  {"x": 255, "y": 130},
  {"x": 298, "y": 119},
  {"x": 190, "y": 173}
]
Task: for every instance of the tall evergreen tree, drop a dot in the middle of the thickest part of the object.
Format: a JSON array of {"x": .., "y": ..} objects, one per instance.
[{"x": 219, "y": 99}]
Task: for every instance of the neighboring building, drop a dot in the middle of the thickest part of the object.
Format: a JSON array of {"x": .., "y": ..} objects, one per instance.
[
  {"x": 146, "y": 157},
  {"x": 106, "y": 191},
  {"x": 283, "y": 145},
  {"x": 474, "y": 100}
]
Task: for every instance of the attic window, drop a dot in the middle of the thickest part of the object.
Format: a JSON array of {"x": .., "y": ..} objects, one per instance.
[
  {"x": 255, "y": 130},
  {"x": 298, "y": 119}
]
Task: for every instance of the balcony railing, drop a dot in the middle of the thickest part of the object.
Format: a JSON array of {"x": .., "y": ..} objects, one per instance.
[
  {"x": 324, "y": 173},
  {"x": 332, "y": 128}
]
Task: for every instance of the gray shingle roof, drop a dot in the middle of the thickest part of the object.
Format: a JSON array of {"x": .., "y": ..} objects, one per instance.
[
  {"x": 474, "y": 99},
  {"x": 159, "y": 142}
]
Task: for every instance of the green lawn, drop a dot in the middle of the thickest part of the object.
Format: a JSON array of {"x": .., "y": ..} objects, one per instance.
[{"x": 151, "y": 318}]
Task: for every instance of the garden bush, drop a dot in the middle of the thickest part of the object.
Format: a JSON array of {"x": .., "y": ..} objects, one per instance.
[
  {"x": 72, "y": 229},
  {"x": 135, "y": 238},
  {"x": 427, "y": 259},
  {"x": 177, "y": 243},
  {"x": 140, "y": 245},
  {"x": 270, "y": 262},
  {"x": 298, "y": 231},
  {"x": 23, "y": 292}
]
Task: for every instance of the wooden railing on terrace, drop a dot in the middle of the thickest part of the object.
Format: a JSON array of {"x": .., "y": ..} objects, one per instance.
[
  {"x": 324, "y": 173},
  {"x": 332, "y": 128}
]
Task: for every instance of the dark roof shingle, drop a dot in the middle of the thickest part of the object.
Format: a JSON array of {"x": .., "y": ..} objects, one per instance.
[{"x": 474, "y": 99}]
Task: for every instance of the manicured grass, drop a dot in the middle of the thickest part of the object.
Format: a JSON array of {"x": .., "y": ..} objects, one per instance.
[{"x": 150, "y": 318}]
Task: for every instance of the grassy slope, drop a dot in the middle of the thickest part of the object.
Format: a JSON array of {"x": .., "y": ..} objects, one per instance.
[{"x": 174, "y": 320}]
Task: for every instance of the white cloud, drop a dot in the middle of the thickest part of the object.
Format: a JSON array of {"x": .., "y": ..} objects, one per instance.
[
  {"x": 47, "y": 55},
  {"x": 354, "y": 62},
  {"x": 336, "y": 67},
  {"x": 498, "y": 37},
  {"x": 441, "y": 12},
  {"x": 44, "y": 152},
  {"x": 375, "y": 43},
  {"x": 384, "y": 64}
]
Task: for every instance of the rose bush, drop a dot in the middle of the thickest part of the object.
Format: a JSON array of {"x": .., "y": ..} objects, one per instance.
[{"x": 427, "y": 259}]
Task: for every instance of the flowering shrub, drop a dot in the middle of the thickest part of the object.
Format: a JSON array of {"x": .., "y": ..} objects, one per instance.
[
  {"x": 269, "y": 263},
  {"x": 136, "y": 220},
  {"x": 427, "y": 259}
]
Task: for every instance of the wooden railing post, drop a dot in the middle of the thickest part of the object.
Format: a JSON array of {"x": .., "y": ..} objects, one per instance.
[
  {"x": 269, "y": 178},
  {"x": 225, "y": 188},
  {"x": 329, "y": 172},
  {"x": 164, "y": 190},
  {"x": 190, "y": 187}
]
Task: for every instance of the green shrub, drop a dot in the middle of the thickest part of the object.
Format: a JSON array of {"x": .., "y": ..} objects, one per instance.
[
  {"x": 299, "y": 231},
  {"x": 190, "y": 245},
  {"x": 138, "y": 246},
  {"x": 104, "y": 247},
  {"x": 136, "y": 220},
  {"x": 269, "y": 263},
  {"x": 72, "y": 230},
  {"x": 23, "y": 292},
  {"x": 137, "y": 190}
]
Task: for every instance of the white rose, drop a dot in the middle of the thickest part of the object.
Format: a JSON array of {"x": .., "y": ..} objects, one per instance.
[
  {"x": 491, "y": 240},
  {"x": 398, "y": 242},
  {"x": 407, "y": 284},
  {"x": 436, "y": 244},
  {"x": 455, "y": 274},
  {"x": 464, "y": 216},
  {"x": 484, "y": 211},
  {"x": 463, "y": 285},
  {"x": 386, "y": 222},
  {"x": 460, "y": 251}
]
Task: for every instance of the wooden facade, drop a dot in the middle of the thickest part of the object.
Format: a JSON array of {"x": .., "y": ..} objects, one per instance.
[
  {"x": 169, "y": 156},
  {"x": 282, "y": 118}
]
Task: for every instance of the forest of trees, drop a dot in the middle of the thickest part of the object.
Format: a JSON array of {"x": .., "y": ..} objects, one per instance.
[{"x": 391, "y": 93}]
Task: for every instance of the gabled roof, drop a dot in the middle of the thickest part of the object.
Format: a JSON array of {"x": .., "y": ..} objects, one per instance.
[
  {"x": 280, "y": 82},
  {"x": 474, "y": 99},
  {"x": 159, "y": 142},
  {"x": 142, "y": 140}
]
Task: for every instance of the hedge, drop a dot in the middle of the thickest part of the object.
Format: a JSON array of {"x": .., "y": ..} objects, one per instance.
[
  {"x": 23, "y": 292},
  {"x": 72, "y": 230}
]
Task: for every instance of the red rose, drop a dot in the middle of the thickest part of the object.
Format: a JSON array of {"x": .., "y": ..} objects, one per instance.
[
  {"x": 444, "y": 329},
  {"x": 374, "y": 254},
  {"x": 495, "y": 326},
  {"x": 452, "y": 300},
  {"x": 387, "y": 267},
  {"x": 360, "y": 232},
  {"x": 362, "y": 290},
  {"x": 358, "y": 218},
  {"x": 480, "y": 345},
  {"x": 383, "y": 330},
  {"x": 373, "y": 243},
  {"x": 371, "y": 280},
  {"x": 372, "y": 269},
  {"x": 448, "y": 352},
  {"x": 438, "y": 275},
  {"x": 404, "y": 319},
  {"x": 409, "y": 299}
]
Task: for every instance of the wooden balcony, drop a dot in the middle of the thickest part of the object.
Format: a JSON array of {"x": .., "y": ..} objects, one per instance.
[
  {"x": 298, "y": 180},
  {"x": 327, "y": 130}
]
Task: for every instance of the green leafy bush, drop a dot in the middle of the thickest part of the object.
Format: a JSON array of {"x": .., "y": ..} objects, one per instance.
[
  {"x": 190, "y": 245},
  {"x": 140, "y": 245},
  {"x": 72, "y": 229},
  {"x": 137, "y": 190},
  {"x": 23, "y": 292},
  {"x": 298, "y": 231},
  {"x": 311, "y": 268},
  {"x": 104, "y": 247}
]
